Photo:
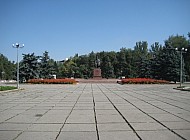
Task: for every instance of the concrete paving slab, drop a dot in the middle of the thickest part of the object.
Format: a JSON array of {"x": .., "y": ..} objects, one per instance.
[
  {"x": 158, "y": 135},
  {"x": 118, "y": 135},
  {"x": 9, "y": 135},
  {"x": 118, "y": 111},
  {"x": 54, "y": 118},
  {"x": 23, "y": 118},
  {"x": 81, "y": 119},
  {"x": 58, "y": 112},
  {"x": 13, "y": 126},
  {"x": 184, "y": 133},
  {"x": 44, "y": 127},
  {"x": 12, "y": 112},
  {"x": 33, "y": 112},
  {"x": 109, "y": 119},
  {"x": 38, "y": 136},
  {"x": 154, "y": 110},
  {"x": 77, "y": 136},
  {"x": 42, "y": 107},
  {"x": 178, "y": 125},
  {"x": 104, "y": 106},
  {"x": 82, "y": 104},
  {"x": 79, "y": 128},
  {"x": 46, "y": 105},
  {"x": 184, "y": 116},
  {"x": 166, "y": 118},
  {"x": 124, "y": 107},
  {"x": 62, "y": 107},
  {"x": 177, "y": 111},
  {"x": 113, "y": 127},
  {"x": 106, "y": 112},
  {"x": 148, "y": 126},
  {"x": 82, "y": 112},
  {"x": 21, "y": 107},
  {"x": 5, "y": 106},
  {"x": 83, "y": 108},
  {"x": 138, "y": 117},
  {"x": 4, "y": 117},
  {"x": 129, "y": 112},
  {"x": 64, "y": 104}
]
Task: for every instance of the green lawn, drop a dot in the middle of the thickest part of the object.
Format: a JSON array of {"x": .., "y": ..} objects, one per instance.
[{"x": 3, "y": 88}]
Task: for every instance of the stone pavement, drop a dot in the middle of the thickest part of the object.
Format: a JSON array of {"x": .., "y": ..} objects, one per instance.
[{"x": 95, "y": 112}]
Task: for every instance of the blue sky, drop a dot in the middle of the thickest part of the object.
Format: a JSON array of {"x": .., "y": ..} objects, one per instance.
[{"x": 66, "y": 27}]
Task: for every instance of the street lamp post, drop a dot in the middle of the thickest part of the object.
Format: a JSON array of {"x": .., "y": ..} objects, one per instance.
[
  {"x": 17, "y": 45},
  {"x": 183, "y": 50},
  {"x": 2, "y": 75}
]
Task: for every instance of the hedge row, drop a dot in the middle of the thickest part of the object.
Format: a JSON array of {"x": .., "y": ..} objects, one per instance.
[
  {"x": 52, "y": 81},
  {"x": 142, "y": 81}
]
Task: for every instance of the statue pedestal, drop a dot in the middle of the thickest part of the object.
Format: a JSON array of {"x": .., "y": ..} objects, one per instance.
[{"x": 97, "y": 73}]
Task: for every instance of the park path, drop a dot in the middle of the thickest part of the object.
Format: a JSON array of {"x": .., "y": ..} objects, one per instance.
[{"x": 95, "y": 112}]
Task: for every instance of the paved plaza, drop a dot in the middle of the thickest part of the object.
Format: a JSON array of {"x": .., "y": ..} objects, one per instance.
[{"x": 95, "y": 112}]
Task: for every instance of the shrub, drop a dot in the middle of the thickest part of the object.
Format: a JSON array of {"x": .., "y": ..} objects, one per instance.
[
  {"x": 142, "y": 81},
  {"x": 52, "y": 81}
]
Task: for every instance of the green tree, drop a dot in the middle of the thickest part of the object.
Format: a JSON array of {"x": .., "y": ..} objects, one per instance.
[
  {"x": 113, "y": 61},
  {"x": 145, "y": 67},
  {"x": 29, "y": 67},
  {"x": 46, "y": 66},
  {"x": 180, "y": 42},
  {"x": 82, "y": 66},
  {"x": 159, "y": 62},
  {"x": 91, "y": 63},
  {"x": 155, "y": 51},
  {"x": 56, "y": 68},
  {"x": 177, "y": 42},
  {"x": 68, "y": 68},
  {"x": 106, "y": 66},
  {"x": 7, "y": 68},
  {"x": 169, "y": 61},
  {"x": 121, "y": 63},
  {"x": 187, "y": 58},
  {"x": 140, "y": 59}
]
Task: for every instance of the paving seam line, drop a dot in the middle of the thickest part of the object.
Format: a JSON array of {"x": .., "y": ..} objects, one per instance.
[
  {"x": 29, "y": 123},
  {"x": 148, "y": 115},
  {"x": 69, "y": 114},
  {"x": 162, "y": 95},
  {"x": 97, "y": 132},
  {"x": 164, "y": 101},
  {"x": 121, "y": 114},
  {"x": 157, "y": 107}
]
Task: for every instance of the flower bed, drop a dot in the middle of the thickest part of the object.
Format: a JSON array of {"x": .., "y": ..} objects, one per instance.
[
  {"x": 52, "y": 81},
  {"x": 142, "y": 81}
]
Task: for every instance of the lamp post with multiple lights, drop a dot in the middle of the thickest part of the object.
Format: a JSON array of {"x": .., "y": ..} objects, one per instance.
[
  {"x": 182, "y": 50},
  {"x": 17, "y": 45}
]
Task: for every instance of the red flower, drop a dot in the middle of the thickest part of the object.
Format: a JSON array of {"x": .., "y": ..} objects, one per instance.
[
  {"x": 52, "y": 81},
  {"x": 142, "y": 81}
]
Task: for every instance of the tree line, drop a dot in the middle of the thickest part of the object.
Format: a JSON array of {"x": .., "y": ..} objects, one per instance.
[
  {"x": 7, "y": 68},
  {"x": 157, "y": 61}
]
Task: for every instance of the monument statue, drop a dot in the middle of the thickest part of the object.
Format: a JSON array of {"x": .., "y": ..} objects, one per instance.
[
  {"x": 97, "y": 62},
  {"x": 97, "y": 74}
]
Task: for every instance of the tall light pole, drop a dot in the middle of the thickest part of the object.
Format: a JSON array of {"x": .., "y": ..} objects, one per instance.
[
  {"x": 183, "y": 50},
  {"x": 17, "y": 45}
]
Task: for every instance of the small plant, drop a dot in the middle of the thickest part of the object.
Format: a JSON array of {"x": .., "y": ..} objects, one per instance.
[{"x": 3, "y": 88}]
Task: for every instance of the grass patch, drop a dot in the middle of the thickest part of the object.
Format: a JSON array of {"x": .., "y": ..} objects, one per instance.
[
  {"x": 3, "y": 88},
  {"x": 183, "y": 88}
]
